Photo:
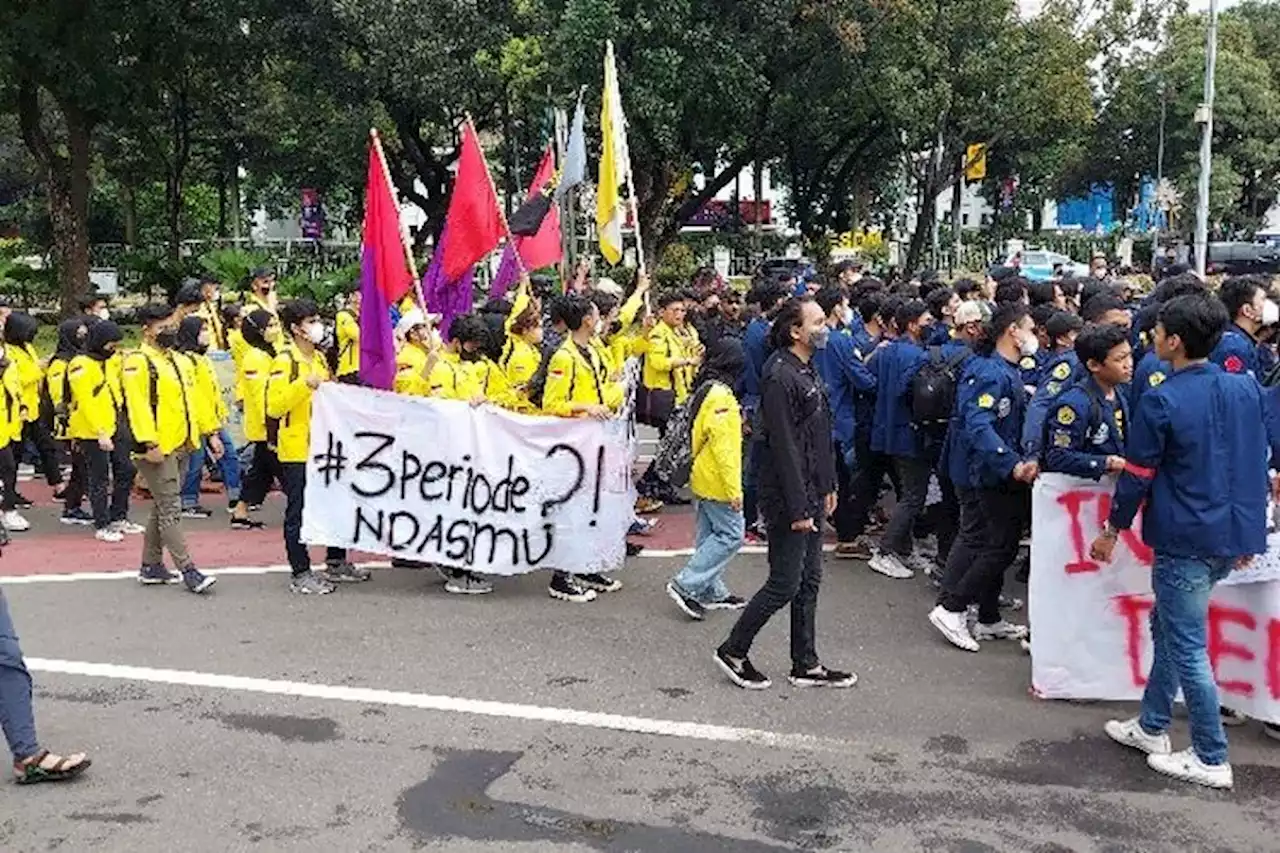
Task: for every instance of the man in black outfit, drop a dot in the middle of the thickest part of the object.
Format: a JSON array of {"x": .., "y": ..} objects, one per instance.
[{"x": 797, "y": 492}]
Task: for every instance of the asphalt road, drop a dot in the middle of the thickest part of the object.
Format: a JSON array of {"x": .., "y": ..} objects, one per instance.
[{"x": 515, "y": 723}]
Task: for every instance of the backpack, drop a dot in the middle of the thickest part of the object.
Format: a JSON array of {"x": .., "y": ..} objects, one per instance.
[
  {"x": 673, "y": 463},
  {"x": 933, "y": 390},
  {"x": 538, "y": 382}
]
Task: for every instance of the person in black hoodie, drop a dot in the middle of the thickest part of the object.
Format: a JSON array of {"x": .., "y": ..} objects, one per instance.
[
  {"x": 797, "y": 494},
  {"x": 55, "y": 398}
]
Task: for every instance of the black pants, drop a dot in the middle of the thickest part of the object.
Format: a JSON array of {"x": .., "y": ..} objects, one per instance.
[
  {"x": 795, "y": 574},
  {"x": 264, "y": 469},
  {"x": 872, "y": 469},
  {"x": 111, "y": 475},
  {"x": 37, "y": 432},
  {"x": 913, "y": 474},
  {"x": 78, "y": 482},
  {"x": 944, "y": 517},
  {"x": 752, "y": 451},
  {"x": 9, "y": 477},
  {"x": 295, "y": 486},
  {"x": 845, "y": 517},
  {"x": 990, "y": 529}
]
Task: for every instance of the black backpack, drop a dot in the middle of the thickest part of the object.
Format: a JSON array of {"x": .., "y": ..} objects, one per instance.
[
  {"x": 673, "y": 462},
  {"x": 933, "y": 390}
]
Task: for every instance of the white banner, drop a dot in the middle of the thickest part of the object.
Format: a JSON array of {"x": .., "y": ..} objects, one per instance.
[
  {"x": 479, "y": 488},
  {"x": 1089, "y": 631}
]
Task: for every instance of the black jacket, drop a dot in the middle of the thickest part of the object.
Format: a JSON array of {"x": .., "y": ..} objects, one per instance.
[{"x": 798, "y": 463}]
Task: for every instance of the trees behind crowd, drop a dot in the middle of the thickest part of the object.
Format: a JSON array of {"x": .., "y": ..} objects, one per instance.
[{"x": 154, "y": 121}]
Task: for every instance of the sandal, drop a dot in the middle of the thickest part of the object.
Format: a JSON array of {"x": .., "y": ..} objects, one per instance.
[{"x": 46, "y": 766}]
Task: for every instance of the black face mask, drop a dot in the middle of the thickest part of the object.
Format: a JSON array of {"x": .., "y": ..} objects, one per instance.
[
  {"x": 167, "y": 339},
  {"x": 469, "y": 355}
]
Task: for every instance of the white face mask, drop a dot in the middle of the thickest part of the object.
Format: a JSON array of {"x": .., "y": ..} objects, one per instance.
[
  {"x": 1030, "y": 345},
  {"x": 315, "y": 333},
  {"x": 104, "y": 314},
  {"x": 1270, "y": 313},
  {"x": 848, "y": 316}
]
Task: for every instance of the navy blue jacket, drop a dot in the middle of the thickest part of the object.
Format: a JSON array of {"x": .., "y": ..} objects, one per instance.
[
  {"x": 1031, "y": 367},
  {"x": 1148, "y": 374},
  {"x": 939, "y": 334},
  {"x": 1060, "y": 372},
  {"x": 990, "y": 420},
  {"x": 892, "y": 430},
  {"x": 1084, "y": 429},
  {"x": 845, "y": 375},
  {"x": 755, "y": 345},
  {"x": 1196, "y": 454},
  {"x": 1237, "y": 352}
]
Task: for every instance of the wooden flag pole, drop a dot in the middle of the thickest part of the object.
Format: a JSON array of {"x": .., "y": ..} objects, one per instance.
[
  {"x": 501, "y": 213},
  {"x": 404, "y": 232}
]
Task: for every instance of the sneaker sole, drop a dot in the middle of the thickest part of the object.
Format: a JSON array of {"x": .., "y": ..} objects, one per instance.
[
  {"x": 573, "y": 599},
  {"x": 300, "y": 591},
  {"x": 991, "y": 638},
  {"x": 77, "y": 522},
  {"x": 804, "y": 683},
  {"x": 675, "y": 596},
  {"x": 719, "y": 606},
  {"x": 892, "y": 574},
  {"x": 1204, "y": 783},
  {"x": 347, "y": 579},
  {"x": 739, "y": 680},
  {"x": 203, "y": 586},
  {"x": 942, "y": 629},
  {"x": 157, "y": 581},
  {"x": 467, "y": 590},
  {"x": 1273, "y": 734},
  {"x": 1134, "y": 744},
  {"x": 601, "y": 588}
]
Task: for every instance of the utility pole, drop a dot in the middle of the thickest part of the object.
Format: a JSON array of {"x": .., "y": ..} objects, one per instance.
[{"x": 1204, "y": 116}]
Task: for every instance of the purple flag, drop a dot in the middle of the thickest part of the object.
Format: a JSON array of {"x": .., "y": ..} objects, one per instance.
[
  {"x": 448, "y": 299},
  {"x": 508, "y": 273},
  {"x": 377, "y": 338}
]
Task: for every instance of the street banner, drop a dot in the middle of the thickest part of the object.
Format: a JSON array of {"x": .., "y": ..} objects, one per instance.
[
  {"x": 480, "y": 488},
  {"x": 1090, "y": 637}
]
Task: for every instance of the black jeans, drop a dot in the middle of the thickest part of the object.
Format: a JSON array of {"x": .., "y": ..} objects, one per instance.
[
  {"x": 264, "y": 469},
  {"x": 795, "y": 574},
  {"x": 295, "y": 486},
  {"x": 945, "y": 519},
  {"x": 78, "y": 482},
  {"x": 111, "y": 475},
  {"x": 9, "y": 476},
  {"x": 844, "y": 519},
  {"x": 751, "y": 453},
  {"x": 37, "y": 432},
  {"x": 913, "y": 474},
  {"x": 872, "y": 469},
  {"x": 990, "y": 529}
]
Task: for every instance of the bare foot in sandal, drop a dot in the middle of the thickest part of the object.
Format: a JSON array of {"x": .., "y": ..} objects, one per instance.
[{"x": 46, "y": 766}]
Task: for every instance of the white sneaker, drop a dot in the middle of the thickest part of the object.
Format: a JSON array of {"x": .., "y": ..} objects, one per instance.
[
  {"x": 108, "y": 534},
  {"x": 128, "y": 528},
  {"x": 1129, "y": 733},
  {"x": 1271, "y": 730},
  {"x": 468, "y": 584},
  {"x": 921, "y": 562},
  {"x": 1188, "y": 767},
  {"x": 15, "y": 522},
  {"x": 890, "y": 566},
  {"x": 954, "y": 627},
  {"x": 1001, "y": 630},
  {"x": 1231, "y": 717}
]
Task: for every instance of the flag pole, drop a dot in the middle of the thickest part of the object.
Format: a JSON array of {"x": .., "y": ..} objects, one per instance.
[
  {"x": 501, "y": 213},
  {"x": 404, "y": 232}
]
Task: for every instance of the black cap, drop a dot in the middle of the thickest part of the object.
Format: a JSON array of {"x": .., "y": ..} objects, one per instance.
[
  {"x": 261, "y": 272},
  {"x": 1000, "y": 272},
  {"x": 209, "y": 278},
  {"x": 189, "y": 293}
]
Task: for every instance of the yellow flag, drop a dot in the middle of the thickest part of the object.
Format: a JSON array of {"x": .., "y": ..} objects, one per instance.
[
  {"x": 975, "y": 162},
  {"x": 615, "y": 164}
]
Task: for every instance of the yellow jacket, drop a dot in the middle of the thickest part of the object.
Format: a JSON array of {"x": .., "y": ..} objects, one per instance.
[
  {"x": 520, "y": 361},
  {"x": 206, "y": 399},
  {"x": 253, "y": 303},
  {"x": 490, "y": 380},
  {"x": 289, "y": 400},
  {"x": 55, "y": 379},
  {"x": 29, "y": 378},
  {"x": 716, "y": 439},
  {"x": 115, "y": 378},
  {"x": 155, "y": 393},
  {"x": 10, "y": 397},
  {"x": 348, "y": 334},
  {"x": 92, "y": 405},
  {"x": 411, "y": 361},
  {"x": 575, "y": 376},
  {"x": 665, "y": 346},
  {"x": 237, "y": 346},
  {"x": 451, "y": 379},
  {"x": 212, "y": 317},
  {"x": 251, "y": 384}
]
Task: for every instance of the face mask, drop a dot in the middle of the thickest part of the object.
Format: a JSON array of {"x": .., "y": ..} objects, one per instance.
[
  {"x": 104, "y": 314},
  {"x": 848, "y": 316},
  {"x": 272, "y": 333},
  {"x": 1270, "y": 313},
  {"x": 166, "y": 339},
  {"x": 1030, "y": 345},
  {"x": 315, "y": 333},
  {"x": 818, "y": 339},
  {"x": 203, "y": 344}
]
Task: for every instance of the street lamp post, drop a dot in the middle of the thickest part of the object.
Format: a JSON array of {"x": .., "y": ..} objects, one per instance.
[
  {"x": 1204, "y": 116},
  {"x": 1155, "y": 193}
]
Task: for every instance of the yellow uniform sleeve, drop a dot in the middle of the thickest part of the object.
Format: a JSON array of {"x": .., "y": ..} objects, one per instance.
[
  {"x": 557, "y": 393},
  {"x": 663, "y": 350},
  {"x": 91, "y": 397},
  {"x": 627, "y": 313},
  {"x": 723, "y": 424},
  {"x": 136, "y": 381},
  {"x": 284, "y": 394}
]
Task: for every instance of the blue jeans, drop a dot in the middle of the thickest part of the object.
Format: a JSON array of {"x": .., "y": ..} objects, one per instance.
[
  {"x": 229, "y": 463},
  {"x": 16, "y": 718},
  {"x": 717, "y": 539},
  {"x": 1179, "y": 627}
]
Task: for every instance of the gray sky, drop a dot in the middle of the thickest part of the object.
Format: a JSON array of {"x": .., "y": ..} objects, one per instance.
[{"x": 1033, "y": 6}]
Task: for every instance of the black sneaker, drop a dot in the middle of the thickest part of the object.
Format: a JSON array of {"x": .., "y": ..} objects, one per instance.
[
  {"x": 600, "y": 583},
  {"x": 196, "y": 511},
  {"x": 742, "y": 674},
  {"x": 246, "y": 524},
  {"x": 196, "y": 581},
  {"x": 729, "y": 602},
  {"x": 344, "y": 572},
  {"x": 60, "y": 495},
  {"x": 822, "y": 677},
  {"x": 156, "y": 575},
  {"x": 691, "y": 607},
  {"x": 21, "y": 501},
  {"x": 563, "y": 587},
  {"x": 634, "y": 550},
  {"x": 76, "y": 516},
  {"x": 402, "y": 563}
]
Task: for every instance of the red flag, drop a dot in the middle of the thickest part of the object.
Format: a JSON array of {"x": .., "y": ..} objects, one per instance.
[
  {"x": 384, "y": 276},
  {"x": 544, "y": 248},
  {"x": 475, "y": 220}
]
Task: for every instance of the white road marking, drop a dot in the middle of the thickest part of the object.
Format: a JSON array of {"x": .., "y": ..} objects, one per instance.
[
  {"x": 231, "y": 571},
  {"x": 447, "y": 704}
]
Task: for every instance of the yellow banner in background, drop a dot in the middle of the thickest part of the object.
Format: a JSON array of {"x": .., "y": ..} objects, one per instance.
[{"x": 975, "y": 162}]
